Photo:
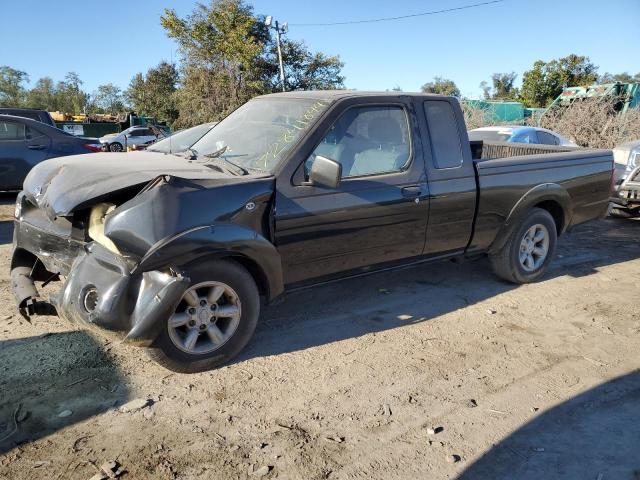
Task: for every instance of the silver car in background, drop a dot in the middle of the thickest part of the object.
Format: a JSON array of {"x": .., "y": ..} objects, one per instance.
[
  {"x": 181, "y": 140},
  {"x": 625, "y": 201},
  {"x": 138, "y": 135}
]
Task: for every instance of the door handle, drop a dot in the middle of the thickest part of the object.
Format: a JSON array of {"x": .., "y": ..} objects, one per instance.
[
  {"x": 411, "y": 192},
  {"x": 36, "y": 147}
]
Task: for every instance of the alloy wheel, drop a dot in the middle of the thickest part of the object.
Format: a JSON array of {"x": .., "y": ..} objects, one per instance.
[
  {"x": 206, "y": 318},
  {"x": 534, "y": 247}
]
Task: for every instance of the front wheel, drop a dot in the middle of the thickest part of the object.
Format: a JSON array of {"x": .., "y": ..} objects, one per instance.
[
  {"x": 529, "y": 249},
  {"x": 213, "y": 322},
  {"x": 115, "y": 147}
]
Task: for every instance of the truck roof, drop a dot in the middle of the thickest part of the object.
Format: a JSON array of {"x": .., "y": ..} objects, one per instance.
[{"x": 338, "y": 94}]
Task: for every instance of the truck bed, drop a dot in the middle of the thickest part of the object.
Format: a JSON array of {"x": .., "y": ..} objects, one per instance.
[
  {"x": 481, "y": 150},
  {"x": 581, "y": 177}
]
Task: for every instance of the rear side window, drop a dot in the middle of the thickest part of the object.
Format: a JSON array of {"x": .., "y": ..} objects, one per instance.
[
  {"x": 547, "y": 138},
  {"x": 32, "y": 133},
  {"x": 443, "y": 130},
  {"x": 11, "y": 131}
]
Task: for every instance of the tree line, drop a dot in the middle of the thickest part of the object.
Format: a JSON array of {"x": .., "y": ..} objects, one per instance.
[
  {"x": 540, "y": 85},
  {"x": 227, "y": 56}
]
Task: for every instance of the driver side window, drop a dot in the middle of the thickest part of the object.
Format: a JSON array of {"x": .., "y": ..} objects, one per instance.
[{"x": 367, "y": 141}]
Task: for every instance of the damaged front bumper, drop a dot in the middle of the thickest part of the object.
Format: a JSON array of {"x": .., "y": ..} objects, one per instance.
[{"x": 101, "y": 289}]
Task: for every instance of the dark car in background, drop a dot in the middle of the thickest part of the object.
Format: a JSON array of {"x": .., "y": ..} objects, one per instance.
[
  {"x": 41, "y": 116},
  {"x": 24, "y": 143},
  {"x": 181, "y": 140}
]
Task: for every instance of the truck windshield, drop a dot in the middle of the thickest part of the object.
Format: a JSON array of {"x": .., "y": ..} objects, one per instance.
[{"x": 260, "y": 133}]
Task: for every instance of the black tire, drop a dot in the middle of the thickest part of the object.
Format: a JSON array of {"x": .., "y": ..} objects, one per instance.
[
  {"x": 619, "y": 212},
  {"x": 506, "y": 262},
  {"x": 116, "y": 147},
  {"x": 167, "y": 354}
]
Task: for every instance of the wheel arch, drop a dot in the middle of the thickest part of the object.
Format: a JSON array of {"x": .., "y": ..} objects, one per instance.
[
  {"x": 550, "y": 197},
  {"x": 228, "y": 241}
]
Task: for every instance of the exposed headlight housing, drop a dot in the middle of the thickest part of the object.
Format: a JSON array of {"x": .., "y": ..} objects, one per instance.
[{"x": 96, "y": 225}]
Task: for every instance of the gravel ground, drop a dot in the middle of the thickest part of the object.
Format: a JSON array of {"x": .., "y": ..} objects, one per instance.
[{"x": 440, "y": 371}]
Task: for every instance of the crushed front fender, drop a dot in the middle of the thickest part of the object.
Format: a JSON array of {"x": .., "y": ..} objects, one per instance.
[{"x": 101, "y": 292}]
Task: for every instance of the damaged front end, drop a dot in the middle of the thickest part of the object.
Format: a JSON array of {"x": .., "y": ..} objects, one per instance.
[
  {"x": 120, "y": 254},
  {"x": 99, "y": 288}
]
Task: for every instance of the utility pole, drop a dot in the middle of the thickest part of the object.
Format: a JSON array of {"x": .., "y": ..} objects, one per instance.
[{"x": 280, "y": 30}]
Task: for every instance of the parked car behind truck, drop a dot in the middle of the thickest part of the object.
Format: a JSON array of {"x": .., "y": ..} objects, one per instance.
[
  {"x": 626, "y": 195},
  {"x": 139, "y": 135},
  {"x": 290, "y": 190},
  {"x": 41, "y": 116},
  {"x": 536, "y": 135},
  {"x": 181, "y": 140},
  {"x": 24, "y": 143}
]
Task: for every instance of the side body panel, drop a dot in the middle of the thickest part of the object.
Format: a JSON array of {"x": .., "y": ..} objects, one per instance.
[
  {"x": 452, "y": 191},
  {"x": 579, "y": 182},
  {"x": 366, "y": 221}
]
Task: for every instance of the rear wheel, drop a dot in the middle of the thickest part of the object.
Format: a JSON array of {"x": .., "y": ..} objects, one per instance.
[
  {"x": 116, "y": 147},
  {"x": 213, "y": 322},
  {"x": 529, "y": 249}
]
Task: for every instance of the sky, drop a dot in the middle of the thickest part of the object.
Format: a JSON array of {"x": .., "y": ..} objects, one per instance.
[{"x": 109, "y": 42}]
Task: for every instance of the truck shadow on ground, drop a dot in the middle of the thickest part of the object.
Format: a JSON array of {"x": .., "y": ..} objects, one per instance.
[
  {"x": 356, "y": 307},
  {"x": 593, "y": 435},
  {"x": 43, "y": 378}
]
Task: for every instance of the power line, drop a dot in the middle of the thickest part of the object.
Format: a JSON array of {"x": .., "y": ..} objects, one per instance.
[{"x": 387, "y": 19}]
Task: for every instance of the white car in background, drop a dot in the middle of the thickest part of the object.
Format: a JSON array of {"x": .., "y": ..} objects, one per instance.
[
  {"x": 625, "y": 200},
  {"x": 517, "y": 134},
  {"x": 118, "y": 142}
]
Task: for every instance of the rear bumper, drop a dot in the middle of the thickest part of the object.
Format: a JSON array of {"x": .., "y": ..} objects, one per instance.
[{"x": 99, "y": 290}]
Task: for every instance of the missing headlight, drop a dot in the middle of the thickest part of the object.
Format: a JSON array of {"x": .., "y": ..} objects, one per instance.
[
  {"x": 90, "y": 299},
  {"x": 96, "y": 225}
]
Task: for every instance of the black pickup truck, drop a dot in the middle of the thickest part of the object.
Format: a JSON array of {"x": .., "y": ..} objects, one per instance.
[{"x": 173, "y": 252}]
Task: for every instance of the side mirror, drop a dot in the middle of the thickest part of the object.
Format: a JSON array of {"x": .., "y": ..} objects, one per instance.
[{"x": 325, "y": 172}]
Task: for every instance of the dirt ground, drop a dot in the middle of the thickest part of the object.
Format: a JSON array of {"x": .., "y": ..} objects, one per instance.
[{"x": 346, "y": 381}]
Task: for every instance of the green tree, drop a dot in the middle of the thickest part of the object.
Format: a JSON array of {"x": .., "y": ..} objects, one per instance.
[
  {"x": 304, "y": 70},
  {"x": 228, "y": 56},
  {"x": 546, "y": 80},
  {"x": 441, "y": 86},
  {"x": 153, "y": 94},
  {"x": 502, "y": 87},
  {"x": 12, "y": 90},
  {"x": 42, "y": 95},
  {"x": 70, "y": 98},
  {"x": 109, "y": 99},
  {"x": 624, "y": 77},
  {"x": 220, "y": 45}
]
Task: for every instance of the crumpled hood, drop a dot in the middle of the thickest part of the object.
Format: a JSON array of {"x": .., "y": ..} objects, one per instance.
[{"x": 61, "y": 184}]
